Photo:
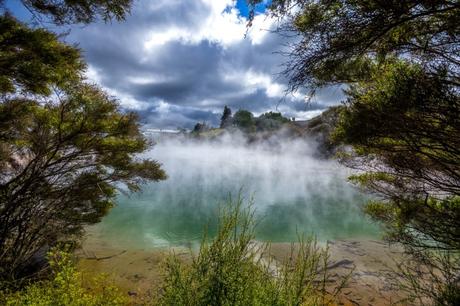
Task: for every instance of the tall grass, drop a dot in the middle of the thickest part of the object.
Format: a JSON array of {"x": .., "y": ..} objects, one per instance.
[{"x": 234, "y": 270}]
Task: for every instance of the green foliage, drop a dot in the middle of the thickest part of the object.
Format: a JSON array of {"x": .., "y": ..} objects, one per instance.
[
  {"x": 400, "y": 62},
  {"x": 274, "y": 116},
  {"x": 226, "y": 119},
  {"x": 244, "y": 120},
  {"x": 341, "y": 38},
  {"x": 270, "y": 121},
  {"x": 34, "y": 59},
  {"x": 77, "y": 11},
  {"x": 66, "y": 288},
  {"x": 413, "y": 147},
  {"x": 60, "y": 162},
  {"x": 234, "y": 270},
  {"x": 420, "y": 223},
  {"x": 65, "y": 145}
]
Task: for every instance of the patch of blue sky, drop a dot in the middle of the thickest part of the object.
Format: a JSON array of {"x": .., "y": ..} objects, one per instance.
[
  {"x": 242, "y": 6},
  {"x": 23, "y": 14},
  {"x": 18, "y": 10}
]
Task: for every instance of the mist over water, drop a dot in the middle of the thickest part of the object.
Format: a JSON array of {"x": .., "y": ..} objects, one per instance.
[{"x": 293, "y": 192}]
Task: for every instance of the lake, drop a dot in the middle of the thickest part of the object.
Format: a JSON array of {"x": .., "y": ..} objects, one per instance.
[{"x": 292, "y": 193}]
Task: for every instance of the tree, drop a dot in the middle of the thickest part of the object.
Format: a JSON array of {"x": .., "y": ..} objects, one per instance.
[
  {"x": 244, "y": 120},
  {"x": 410, "y": 150},
  {"x": 274, "y": 116},
  {"x": 270, "y": 121},
  {"x": 226, "y": 119},
  {"x": 200, "y": 127},
  {"x": 77, "y": 11},
  {"x": 60, "y": 163},
  {"x": 34, "y": 59},
  {"x": 65, "y": 146},
  {"x": 400, "y": 61},
  {"x": 340, "y": 39}
]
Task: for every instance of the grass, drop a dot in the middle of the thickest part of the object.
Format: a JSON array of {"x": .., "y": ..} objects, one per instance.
[
  {"x": 230, "y": 269},
  {"x": 65, "y": 287},
  {"x": 234, "y": 270}
]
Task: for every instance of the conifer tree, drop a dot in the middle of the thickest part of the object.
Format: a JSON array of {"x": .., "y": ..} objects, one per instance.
[{"x": 226, "y": 119}]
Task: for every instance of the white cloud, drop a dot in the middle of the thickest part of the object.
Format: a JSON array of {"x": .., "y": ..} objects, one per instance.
[
  {"x": 93, "y": 75},
  {"x": 156, "y": 39},
  {"x": 222, "y": 25},
  {"x": 126, "y": 100},
  {"x": 305, "y": 115},
  {"x": 256, "y": 80},
  {"x": 146, "y": 79},
  {"x": 178, "y": 62},
  {"x": 261, "y": 27}
]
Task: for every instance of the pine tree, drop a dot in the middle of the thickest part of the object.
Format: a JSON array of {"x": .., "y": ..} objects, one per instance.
[{"x": 226, "y": 119}]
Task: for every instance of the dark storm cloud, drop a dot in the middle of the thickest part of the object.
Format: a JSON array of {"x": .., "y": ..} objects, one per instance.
[
  {"x": 176, "y": 117},
  {"x": 189, "y": 78}
]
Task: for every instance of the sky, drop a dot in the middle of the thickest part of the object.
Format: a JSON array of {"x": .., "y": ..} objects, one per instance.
[{"x": 179, "y": 62}]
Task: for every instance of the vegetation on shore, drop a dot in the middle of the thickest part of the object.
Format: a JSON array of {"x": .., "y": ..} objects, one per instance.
[
  {"x": 65, "y": 145},
  {"x": 65, "y": 286},
  {"x": 235, "y": 270},
  {"x": 230, "y": 269},
  {"x": 400, "y": 63}
]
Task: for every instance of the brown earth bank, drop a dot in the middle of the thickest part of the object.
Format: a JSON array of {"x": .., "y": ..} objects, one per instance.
[{"x": 369, "y": 264}]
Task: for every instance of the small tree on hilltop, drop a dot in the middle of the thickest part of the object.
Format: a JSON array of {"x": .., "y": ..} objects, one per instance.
[
  {"x": 200, "y": 127},
  {"x": 226, "y": 119},
  {"x": 274, "y": 116},
  {"x": 244, "y": 120}
]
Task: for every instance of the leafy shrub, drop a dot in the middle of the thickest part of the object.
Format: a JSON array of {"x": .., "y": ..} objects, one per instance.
[
  {"x": 233, "y": 270},
  {"x": 66, "y": 288},
  {"x": 274, "y": 116},
  {"x": 244, "y": 120}
]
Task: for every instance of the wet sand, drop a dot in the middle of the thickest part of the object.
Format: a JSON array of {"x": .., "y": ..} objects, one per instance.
[{"x": 139, "y": 272}]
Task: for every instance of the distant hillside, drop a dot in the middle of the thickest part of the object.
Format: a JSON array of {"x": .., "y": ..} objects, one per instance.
[
  {"x": 320, "y": 128},
  {"x": 271, "y": 128}
]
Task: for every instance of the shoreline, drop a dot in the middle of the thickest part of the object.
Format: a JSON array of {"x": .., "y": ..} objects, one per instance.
[{"x": 138, "y": 272}]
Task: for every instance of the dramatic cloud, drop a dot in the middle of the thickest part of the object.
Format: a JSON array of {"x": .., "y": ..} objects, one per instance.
[{"x": 178, "y": 62}]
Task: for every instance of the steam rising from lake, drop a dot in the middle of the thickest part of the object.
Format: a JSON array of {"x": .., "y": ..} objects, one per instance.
[{"x": 293, "y": 193}]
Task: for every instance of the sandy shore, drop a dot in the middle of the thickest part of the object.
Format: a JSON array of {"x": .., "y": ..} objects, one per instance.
[
  {"x": 138, "y": 272},
  {"x": 369, "y": 263}
]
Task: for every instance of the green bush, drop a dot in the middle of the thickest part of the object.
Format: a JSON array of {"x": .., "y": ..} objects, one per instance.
[
  {"x": 66, "y": 288},
  {"x": 233, "y": 270},
  {"x": 244, "y": 120}
]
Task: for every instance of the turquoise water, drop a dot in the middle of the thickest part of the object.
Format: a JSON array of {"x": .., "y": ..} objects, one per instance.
[{"x": 293, "y": 193}]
